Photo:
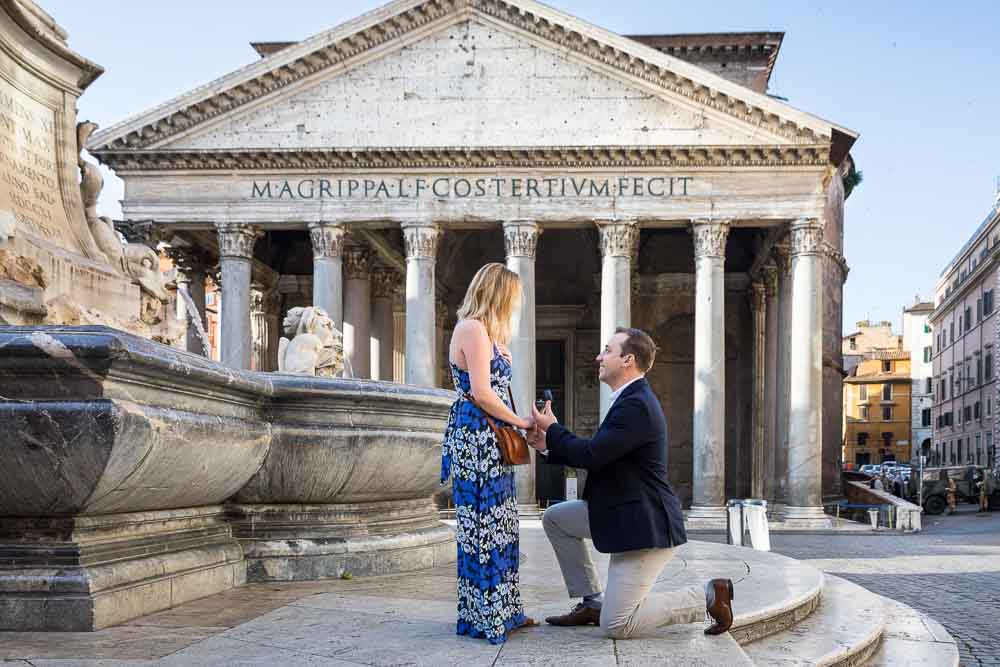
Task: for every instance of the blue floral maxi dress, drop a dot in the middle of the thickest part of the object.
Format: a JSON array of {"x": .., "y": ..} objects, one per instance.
[{"x": 489, "y": 602}]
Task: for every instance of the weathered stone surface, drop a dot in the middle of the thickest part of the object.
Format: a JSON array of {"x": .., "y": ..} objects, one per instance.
[{"x": 112, "y": 434}]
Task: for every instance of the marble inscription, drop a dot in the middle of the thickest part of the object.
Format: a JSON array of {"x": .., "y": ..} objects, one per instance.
[
  {"x": 471, "y": 188},
  {"x": 29, "y": 170}
]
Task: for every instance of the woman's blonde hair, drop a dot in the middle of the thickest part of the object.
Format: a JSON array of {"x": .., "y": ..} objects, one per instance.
[{"x": 492, "y": 297}]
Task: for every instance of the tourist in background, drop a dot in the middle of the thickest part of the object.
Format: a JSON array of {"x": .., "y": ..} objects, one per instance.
[{"x": 483, "y": 491}]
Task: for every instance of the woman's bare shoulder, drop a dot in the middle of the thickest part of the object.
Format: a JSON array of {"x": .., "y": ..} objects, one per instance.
[{"x": 470, "y": 327}]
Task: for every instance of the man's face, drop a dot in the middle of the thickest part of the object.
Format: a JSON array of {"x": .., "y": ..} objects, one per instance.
[{"x": 612, "y": 363}]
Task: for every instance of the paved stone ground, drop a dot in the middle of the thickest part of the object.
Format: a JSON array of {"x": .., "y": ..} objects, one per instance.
[{"x": 951, "y": 571}]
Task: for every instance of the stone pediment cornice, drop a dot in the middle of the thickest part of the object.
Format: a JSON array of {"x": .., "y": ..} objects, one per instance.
[
  {"x": 353, "y": 40},
  {"x": 469, "y": 158}
]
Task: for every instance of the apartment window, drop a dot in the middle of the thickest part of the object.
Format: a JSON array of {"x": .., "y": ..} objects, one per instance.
[
  {"x": 960, "y": 324},
  {"x": 951, "y": 451},
  {"x": 979, "y": 371},
  {"x": 887, "y": 392},
  {"x": 863, "y": 392},
  {"x": 987, "y": 302},
  {"x": 990, "y": 453},
  {"x": 863, "y": 439},
  {"x": 864, "y": 413},
  {"x": 967, "y": 413},
  {"x": 979, "y": 449},
  {"x": 927, "y": 354},
  {"x": 989, "y": 366},
  {"x": 925, "y": 417},
  {"x": 854, "y": 343},
  {"x": 944, "y": 391},
  {"x": 968, "y": 317},
  {"x": 886, "y": 366},
  {"x": 949, "y": 418},
  {"x": 989, "y": 407},
  {"x": 979, "y": 310},
  {"x": 951, "y": 332},
  {"x": 976, "y": 410},
  {"x": 927, "y": 328},
  {"x": 887, "y": 414},
  {"x": 940, "y": 420},
  {"x": 961, "y": 452},
  {"x": 929, "y": 386}
]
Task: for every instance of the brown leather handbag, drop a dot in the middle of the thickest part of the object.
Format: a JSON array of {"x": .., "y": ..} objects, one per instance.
[{"x": 513, "y": 446}]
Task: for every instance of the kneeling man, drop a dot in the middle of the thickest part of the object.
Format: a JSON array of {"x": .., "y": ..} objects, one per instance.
[{"x": 628, "y": 508}]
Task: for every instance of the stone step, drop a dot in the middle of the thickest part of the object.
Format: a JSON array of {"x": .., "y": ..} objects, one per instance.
[
  {"x": 845, "y": 629},
  {"x": 912, "y": 639}
]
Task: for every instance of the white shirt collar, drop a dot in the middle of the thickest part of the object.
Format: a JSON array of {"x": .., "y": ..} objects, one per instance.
[{"x": 618, "y": 392}]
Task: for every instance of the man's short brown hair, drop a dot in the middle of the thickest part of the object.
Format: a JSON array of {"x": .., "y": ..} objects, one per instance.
[{"x": 640, "y": 345}]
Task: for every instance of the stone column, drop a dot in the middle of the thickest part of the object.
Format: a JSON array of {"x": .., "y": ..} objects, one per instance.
[
  {"x": 520, "y": 241},
  {"x": 805, "y": 417},
  {"x": 441, "y": 343},
  {"x": 236, "y": 241},
  {"x": 617, "y": 244},
  {"x": 192, "y": 266},
  {"x": 709, "y": 474},
  {"x": 357, "y": 312},
  {"x": 384, "y": 282},
  {"x": 273, "y": 317},
  {"x": 328, "y": 286},
  {"x": 421, "y": 241},
  {"x": 258, "y": 328},
  {"x": 399, "y": 338},
  {"x": 771, "y": 334},
  {"x": 783, "y": 260},
  {"x": 758, "y": 309}
]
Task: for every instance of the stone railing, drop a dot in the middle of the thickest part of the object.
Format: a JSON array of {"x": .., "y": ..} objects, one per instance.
[{"x": 138, "y": 476}]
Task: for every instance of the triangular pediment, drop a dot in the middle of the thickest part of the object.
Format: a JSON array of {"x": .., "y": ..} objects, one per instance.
[{"x": 466, "y": 73}]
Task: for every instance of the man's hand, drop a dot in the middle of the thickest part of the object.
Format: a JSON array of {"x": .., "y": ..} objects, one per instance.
[
  {"x": 545, "y": 418},
  {"x": 536, "y": 439}
]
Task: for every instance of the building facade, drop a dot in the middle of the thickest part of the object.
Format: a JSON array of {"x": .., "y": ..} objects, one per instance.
[
  {"x": 373, "y": 168},
  {"x": 868, "y": 337},
  {"x": 966, "y": 341},
  {"x": 877, "y": 406},
  {"x": 918, "y": 340}
]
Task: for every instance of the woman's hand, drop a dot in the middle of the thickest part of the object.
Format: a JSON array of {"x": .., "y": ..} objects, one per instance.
[{"x": 526, "y": 424}]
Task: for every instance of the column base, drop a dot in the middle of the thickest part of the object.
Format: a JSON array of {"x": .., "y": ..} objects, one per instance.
[
  {"x": 706, "y": 516},
  {"x": 311, "y": 542},
  {"x": 84, "y": 573},
  {"x": 805, "y": 518}
]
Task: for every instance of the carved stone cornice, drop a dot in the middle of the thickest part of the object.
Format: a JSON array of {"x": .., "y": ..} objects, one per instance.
[
  {"x": 236, "y": 239},
  {"x": 327, "y": 239},
  {"x": 385, "y": 282},
  {"x": 145, "y": 232},
  {"x": 609, "y": 157},
  {"x": 357, "y": 262},
  {"x": 710, "y": 238},
  {"x": 838, "y": 258},
  {"x": 421, "y": 240},
  {"x": 338, "y": 48},
  {"x": 520, "y": 238},
  {"x": 618, "y": 238},
  {"x": 769, "y": 273},
  {"x": 806, "y": 237}
]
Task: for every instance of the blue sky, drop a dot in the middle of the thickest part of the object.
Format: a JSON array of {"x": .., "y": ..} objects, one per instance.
[{"x": 919, "y": 80}]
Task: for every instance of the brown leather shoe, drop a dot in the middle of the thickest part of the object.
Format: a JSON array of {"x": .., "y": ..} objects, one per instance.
[
  {"x": 581, "y": 614},
  {"x": 719, "y": 605}
]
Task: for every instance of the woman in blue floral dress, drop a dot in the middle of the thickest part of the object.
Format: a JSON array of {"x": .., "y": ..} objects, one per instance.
[{"x": 489, "y": 602}]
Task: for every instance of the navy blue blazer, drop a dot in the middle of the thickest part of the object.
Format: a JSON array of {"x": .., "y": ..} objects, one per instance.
[{"x": 630, "y": 503}]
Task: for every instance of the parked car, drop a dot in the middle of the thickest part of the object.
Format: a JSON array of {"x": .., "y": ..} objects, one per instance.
[
  {"x": 871, "y": 469},
  {"x": 966, "y": 490}
]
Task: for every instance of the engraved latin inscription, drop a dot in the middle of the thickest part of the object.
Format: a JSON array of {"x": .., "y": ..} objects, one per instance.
[{"x": 29, "y": 172}]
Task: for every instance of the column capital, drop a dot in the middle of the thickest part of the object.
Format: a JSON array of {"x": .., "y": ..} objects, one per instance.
[
  {"x": 189, "y": 259},
  {"x": 838, "y": 258},
  {"x": 618, "y": 238},
  {"x": 781, "y": 253},
  {"x": 710, "y": 237},
  {"x": 520, "y": 238},
  {"x": 357, "y": 262},
  {"x": 327, "y": 239},
  {"x": 421, "y": 239},
  {"x": 236, "y": 239},
  {"x": 385, "y": 282},
  {"x": 770, "y": 274},
  {"x": 806, "y": 237}
]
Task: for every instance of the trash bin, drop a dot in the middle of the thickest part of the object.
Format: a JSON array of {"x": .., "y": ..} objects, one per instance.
[{"x": 748, "y": 517}]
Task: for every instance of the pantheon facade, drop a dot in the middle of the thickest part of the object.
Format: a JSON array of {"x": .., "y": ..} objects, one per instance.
[{"x": 647, "y": 181}]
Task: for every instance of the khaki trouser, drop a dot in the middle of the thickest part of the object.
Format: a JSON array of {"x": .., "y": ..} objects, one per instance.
[{"x": 629, "y": 609}]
